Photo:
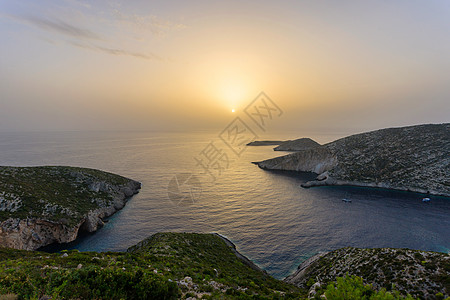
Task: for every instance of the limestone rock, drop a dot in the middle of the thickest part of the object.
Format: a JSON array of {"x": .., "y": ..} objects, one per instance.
[
  {"x": 56, "y": 203},
  {"x": 317, "y": 160}
]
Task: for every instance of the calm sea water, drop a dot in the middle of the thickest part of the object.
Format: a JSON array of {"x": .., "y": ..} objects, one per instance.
[{"x": 270, "y": 218}]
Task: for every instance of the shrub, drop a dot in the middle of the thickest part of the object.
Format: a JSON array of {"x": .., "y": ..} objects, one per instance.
[{"x": 353, "y": 287}]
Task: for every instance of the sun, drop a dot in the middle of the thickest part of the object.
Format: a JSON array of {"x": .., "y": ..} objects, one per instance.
[{"x": 233, "y": 110}]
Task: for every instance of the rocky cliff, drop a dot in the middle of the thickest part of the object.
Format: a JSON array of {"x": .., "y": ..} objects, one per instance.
[
  {"x": 317, "y": 160},
  {"x": 43, "y": 205},
  {"x": 414, "y": 158},
  {"x": 421, "y": 274}
]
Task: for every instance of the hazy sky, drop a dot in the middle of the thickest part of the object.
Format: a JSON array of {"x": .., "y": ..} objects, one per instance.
[{"x": 165, "y": 65}]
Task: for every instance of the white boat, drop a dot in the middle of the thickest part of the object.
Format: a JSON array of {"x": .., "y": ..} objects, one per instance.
[
  {"x": 426, "y": 200},
  {"x": 346, "y": 200}
]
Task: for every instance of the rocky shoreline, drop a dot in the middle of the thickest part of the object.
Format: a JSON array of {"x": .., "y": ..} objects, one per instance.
[
  {"x": 329, "y": 181},
  {"x": 53, "y": 204},
  {"x": 243, "y": 258}
]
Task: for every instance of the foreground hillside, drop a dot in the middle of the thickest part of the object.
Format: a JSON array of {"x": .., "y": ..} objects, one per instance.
[
  {"x": 164, "y": 266},
  {"x": 43, "y": 205},
  {"x": 207, "y": 266},
  {"x": 414, "y": 158}
]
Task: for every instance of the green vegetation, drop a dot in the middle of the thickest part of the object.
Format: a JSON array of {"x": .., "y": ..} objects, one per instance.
[
  {"x": 164, "y": 266},
  {"x": 353, "y": 287},
  {"x": 58, "y": 194}
]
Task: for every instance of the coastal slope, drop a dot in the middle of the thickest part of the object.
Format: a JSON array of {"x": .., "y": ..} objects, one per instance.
[
  {"x": 422, "y": 274},
  {"x": 413, "y": 158},
  {"x": 44, "y": 205},
  {"x": 163, "y": 266}
]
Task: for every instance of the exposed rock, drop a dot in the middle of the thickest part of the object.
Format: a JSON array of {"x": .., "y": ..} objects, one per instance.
[
  {"x": 9, "y": 202},
  {"x": 52, "y": 204},
  {"x": 414, "y": 158},
  {"x": 30, "y": 234},
  {"x": 420, "y": 273},
  {"x": 301, "y": 273},
  {"x": 297, "y": 145}
]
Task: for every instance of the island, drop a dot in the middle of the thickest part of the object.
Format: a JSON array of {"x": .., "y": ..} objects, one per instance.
[
  {"x": 44, "y": 205},
  {"x": 194, "y": 266},
  {"x": 414, "y": 158},
  {"x": 297, "y": 145},
  {"x": 265, "y": 143},
  {"x": 289, "y": 145}
]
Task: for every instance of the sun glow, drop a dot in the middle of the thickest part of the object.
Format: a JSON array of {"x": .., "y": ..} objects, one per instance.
[
  {"x": 233, "y": 93},
  {"x": 233, "y": 110}
]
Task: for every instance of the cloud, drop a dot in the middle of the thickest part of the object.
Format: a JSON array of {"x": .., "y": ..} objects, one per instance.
[
  {"x": 146, "y": 23},
  {"x": 87, "y": 39},
  {"x": 60, "y": 27},
  {"x": 112, "y": 51}
]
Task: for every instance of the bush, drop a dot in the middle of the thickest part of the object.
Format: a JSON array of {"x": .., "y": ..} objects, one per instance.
[
  {"x": 92, "y": 283},
  {"x": 353, "y": 287}
]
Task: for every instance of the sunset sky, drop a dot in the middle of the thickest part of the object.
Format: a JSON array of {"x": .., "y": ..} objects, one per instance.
[{"x": 184, "y": 65}]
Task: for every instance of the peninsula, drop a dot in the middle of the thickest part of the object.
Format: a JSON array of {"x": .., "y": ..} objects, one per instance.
[
  {"x": 44, "y": 205},
  {"x": 413, "y": 158}
]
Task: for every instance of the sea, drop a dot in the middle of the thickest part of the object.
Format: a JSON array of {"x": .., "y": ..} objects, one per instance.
[{"x": 198, "y": 182}]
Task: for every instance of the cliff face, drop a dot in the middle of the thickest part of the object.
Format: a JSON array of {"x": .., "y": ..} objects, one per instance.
[
  {"x": 44, "y": 205},
  {"x": 316, "y": 160},
  {"x": 414, "y": 158},
  {"x": 420, "y": 273}
]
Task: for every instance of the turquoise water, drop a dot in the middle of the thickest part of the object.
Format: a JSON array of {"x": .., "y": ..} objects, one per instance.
[{"x": 270, "y": 218}]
